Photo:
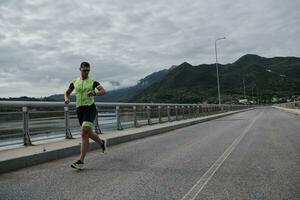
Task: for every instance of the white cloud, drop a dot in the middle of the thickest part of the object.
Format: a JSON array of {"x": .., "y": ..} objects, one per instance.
[
  {"x": 42, "y": 43},
  {"x": 111, "y": 85}
]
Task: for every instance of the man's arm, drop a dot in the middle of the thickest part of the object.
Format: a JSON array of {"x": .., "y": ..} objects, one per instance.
[
  {"x": 67, "y": 95},
  {"x": 100, "y": 91}
]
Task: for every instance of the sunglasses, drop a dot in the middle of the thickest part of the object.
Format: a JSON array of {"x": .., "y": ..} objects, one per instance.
[{"x": 86, "y": 70}]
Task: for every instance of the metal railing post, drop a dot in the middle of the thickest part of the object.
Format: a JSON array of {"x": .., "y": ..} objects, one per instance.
[
  {"x": 67, "y": 123},
  {"x": 134, "y": 117},
  {"x": 201, "y": 110},
  {"x": 186, "y": 112},
  {"x": 206, "y": 110},
  {"x": 182, "y": 107},
  {"x": 119, "y": 127},
  {"x": 97, "y": 126},
  {"x": 176, "y": 113},
  {"x": 149, "y": 115},
  {"x": 159, "y": 114},
  {"x": 198, "y": 111},
  {"x": 194, "y": 111},
  {"x": 26, "y": 138},
  {"x": 168, "y": 111}
]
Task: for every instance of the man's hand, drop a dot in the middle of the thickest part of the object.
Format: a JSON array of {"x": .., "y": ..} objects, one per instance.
[
  {"x": 67, "y": 100},
  {"x": 101, "y": 92},
  {"x": 67, "y": 95},
  {"x": 91, "y": 94}
]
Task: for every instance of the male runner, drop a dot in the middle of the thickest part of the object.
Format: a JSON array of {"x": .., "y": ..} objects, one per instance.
[{"x": 86, "y": 109}]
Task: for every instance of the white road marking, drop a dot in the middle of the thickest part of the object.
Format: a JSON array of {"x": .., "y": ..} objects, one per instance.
[{"x": 196, "y": 189}]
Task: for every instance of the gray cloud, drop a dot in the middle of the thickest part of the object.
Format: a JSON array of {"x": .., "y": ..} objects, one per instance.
[{"x": 43, "y": 42}]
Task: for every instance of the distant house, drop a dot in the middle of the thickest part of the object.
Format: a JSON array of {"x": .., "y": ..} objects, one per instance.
[
  {"x": 274, "y": 100},
  {"x": 243, "y": 101}
]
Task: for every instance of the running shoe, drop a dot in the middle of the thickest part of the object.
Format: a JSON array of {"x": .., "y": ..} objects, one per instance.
[
  {"x": 103, "y": 146},
  {"x": 77, "y": 165}
]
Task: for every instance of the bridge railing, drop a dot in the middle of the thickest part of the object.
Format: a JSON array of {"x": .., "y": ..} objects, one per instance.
[
  {"x": 290, "y": 105},
  {"x": 26, "y": 122}
]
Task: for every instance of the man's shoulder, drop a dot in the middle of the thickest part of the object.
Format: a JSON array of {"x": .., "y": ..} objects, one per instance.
[
  {"x": 93, "y": 79},
  {"x": 75, "y": 80}
]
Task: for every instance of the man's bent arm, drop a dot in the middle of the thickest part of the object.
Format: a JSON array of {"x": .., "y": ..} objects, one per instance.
[
  {"x": 67, "y": 95},
  {"x": 100, "y": 91}
]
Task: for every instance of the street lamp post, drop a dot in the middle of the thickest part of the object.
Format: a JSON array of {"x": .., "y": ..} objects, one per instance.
[{"x": 219, "y": 96}]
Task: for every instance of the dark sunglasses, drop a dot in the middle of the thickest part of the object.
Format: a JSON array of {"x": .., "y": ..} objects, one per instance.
[{"x": 86, "y": 70}]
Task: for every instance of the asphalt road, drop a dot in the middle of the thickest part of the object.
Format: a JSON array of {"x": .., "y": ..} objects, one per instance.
[{"x": 250, "y": 155}]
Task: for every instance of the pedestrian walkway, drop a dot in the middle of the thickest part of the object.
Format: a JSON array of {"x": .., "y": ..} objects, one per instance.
[{"x": 293, "y": 111}]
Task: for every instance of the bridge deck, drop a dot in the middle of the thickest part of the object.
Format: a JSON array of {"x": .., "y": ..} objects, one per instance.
[{"x": 249, "y": 155}]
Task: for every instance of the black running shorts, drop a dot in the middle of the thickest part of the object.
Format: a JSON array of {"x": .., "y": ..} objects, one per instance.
[{"x": 86, "y": 115}]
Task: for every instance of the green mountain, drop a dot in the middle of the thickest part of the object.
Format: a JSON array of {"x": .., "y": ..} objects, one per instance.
[{"x": 264, "y": 78}]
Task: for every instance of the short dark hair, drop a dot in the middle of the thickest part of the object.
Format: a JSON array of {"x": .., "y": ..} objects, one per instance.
[{"x": 84, "y": 64}]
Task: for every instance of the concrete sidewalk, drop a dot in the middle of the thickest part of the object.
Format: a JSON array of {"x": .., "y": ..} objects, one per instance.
[
  {"x": 14, "y": 159},
  {"x": 293, "y": 111}
]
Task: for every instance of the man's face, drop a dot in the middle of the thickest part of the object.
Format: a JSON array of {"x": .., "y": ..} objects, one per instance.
[{"x": 85, "y": 72}]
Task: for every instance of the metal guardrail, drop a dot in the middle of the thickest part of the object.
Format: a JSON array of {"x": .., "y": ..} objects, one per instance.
[
  {"x": 139, "y": 114},
  {"x": 290, "y": 105}
]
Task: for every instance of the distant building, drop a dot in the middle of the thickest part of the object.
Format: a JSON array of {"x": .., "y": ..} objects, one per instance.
[
  {"x": 243, "y": 101},
  {"x": 274, "y": 100}
]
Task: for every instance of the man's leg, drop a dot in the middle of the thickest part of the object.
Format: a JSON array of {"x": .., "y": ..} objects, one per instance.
[
  {"x": 94, "y": 137},
  {"x": 84, "y": 140},
  {"x": 97, "y": 139},
  {"x": 85, "y": 131}
]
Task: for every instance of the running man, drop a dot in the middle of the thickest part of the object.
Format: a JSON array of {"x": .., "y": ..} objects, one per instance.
[{"x": 86, "y": 109}]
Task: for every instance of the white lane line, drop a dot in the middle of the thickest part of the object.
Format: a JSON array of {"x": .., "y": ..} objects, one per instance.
[{"x": 196, "y": 189}]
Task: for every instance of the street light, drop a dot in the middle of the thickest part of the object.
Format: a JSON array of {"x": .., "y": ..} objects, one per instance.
[{"x": 219, "y": 96}]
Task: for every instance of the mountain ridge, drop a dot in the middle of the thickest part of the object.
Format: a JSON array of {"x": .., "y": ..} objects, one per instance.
[
  {"x": 268, "y": 77},
  {"x": 185, "y": 83}
]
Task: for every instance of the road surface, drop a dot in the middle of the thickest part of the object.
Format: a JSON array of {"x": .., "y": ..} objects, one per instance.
[{"x": 249, "y": 155}]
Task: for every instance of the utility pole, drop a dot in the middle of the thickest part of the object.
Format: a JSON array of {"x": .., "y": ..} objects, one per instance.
[
  {"x": 218, "y": 82},
  {"x": 244, "y": 89}
]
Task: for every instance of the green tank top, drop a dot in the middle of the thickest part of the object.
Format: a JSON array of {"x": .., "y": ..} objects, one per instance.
[{"x": 82, "y": 87}]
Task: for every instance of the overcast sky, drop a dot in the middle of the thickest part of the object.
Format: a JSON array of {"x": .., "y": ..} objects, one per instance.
[{"x": 42, "y": 43}]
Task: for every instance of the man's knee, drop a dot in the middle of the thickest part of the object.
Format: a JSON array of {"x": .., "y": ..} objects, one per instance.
[{"x": 86, "y": 130}]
